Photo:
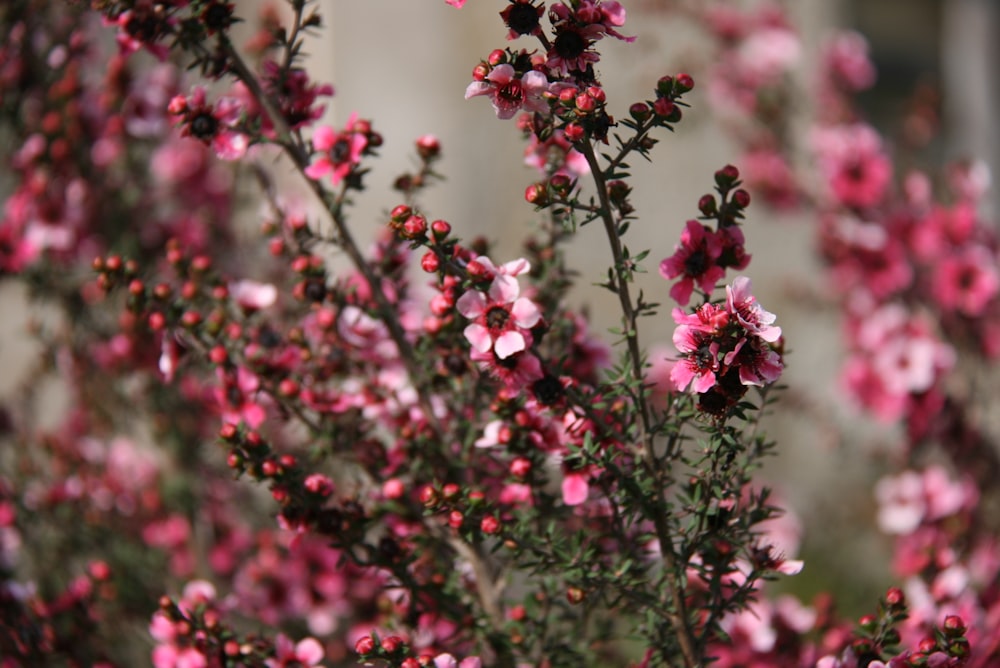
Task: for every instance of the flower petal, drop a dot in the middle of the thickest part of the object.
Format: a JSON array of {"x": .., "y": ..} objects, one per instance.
[
  {"x": 575, "y": 489},
  {"x": 525, "y": 313},
  {"x": 509, "y": 343},
  {"x": 479, "y": 337}
]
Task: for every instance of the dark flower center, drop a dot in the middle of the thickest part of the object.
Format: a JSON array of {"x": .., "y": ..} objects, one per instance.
[
  {"x": 217, "y": 17},
  {"x": 143, "y": 26},
  {"x": 522, "y": 18},
  {"x": 204, "y": 125},
  {"x": 548, "y": 390},
  {"x": 341, "y": 150},
  {"x": 569, "y": 44},
  {"x": 497, "y": 317},
  {"x": 696, "y": 263},
  {"x": 512, "y": 92}
]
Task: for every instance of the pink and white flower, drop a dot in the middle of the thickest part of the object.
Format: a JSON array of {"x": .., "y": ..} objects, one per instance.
[
  {"x": 509, "y": 93},
  {"x": 502, "y": 319}
]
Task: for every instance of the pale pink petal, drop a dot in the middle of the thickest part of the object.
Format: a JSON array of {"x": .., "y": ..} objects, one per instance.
[
  {"x": 478, "y": 337},
  {"x": 575, "y": 489},
  {"x": 509, "y": 343},
  {"x": 309, "y": 651},
  {"x": 791, "y": 566},
  {"x": 525, "y": 312},
  {"x": 471, "y": 304},
  {"x": 477, "y": 88},
  {"x": 516, "y": 267},
  {"x": 504, "y": 289},
  {"x": 501, "y": 74},
  {"x": 471, "y": 662},
  {"x": 445, "y": 660}
]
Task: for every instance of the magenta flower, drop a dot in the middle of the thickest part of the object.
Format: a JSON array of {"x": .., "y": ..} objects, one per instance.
[
  {"x": 501, "y": 318},
  {"x": 339, "y": 152},
  {"x": 695, "y": 260},
  {"x": 854, "y": 164},
  {"x": 215, "y": 125},
  {"x": 699, "y": 360},
  {"x": 508, "y": 93},
  {"x": 966, "y": 281}
]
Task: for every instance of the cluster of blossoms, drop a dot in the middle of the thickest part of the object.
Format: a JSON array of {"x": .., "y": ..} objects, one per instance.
[
  {"x": 453, "y": 475},
  {"x": 724, "y": 348}
]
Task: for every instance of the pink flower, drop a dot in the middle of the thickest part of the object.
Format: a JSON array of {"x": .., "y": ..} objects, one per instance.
[
  {"x": 748, "y": 312},
  {"x": 307, "y": 652},
  {"x": 508, "y": 93},
  {"x": 699, "y": 361},
  {"x": 853, "y": 163},
  {"x": 575, "y": 488},
  {"x": 456, "y": 3},
  {"x": 846, "y": 61},
  {"x": 966, "y": 281},
  {"x": 339, "y": 152},
  {"x": 502, "y": 319},
  {"x": 695, "y": 260},
  {"x": 252, "y": 295},
  {"x": 215, "y": 125}
]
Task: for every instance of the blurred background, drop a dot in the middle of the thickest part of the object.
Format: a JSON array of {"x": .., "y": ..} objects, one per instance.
[{"x": 405, "y": 64}]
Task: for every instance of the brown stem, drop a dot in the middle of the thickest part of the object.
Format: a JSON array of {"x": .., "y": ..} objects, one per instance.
[
  {"x": 385, "y": 310},
  {"x": 678, "y": 618}
]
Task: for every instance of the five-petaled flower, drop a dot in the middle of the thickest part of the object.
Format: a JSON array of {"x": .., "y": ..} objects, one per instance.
[
  {"x": 339, "y": 151},
  {"x": 509, "y": 93},
  {"x": 502, "y": 319}
]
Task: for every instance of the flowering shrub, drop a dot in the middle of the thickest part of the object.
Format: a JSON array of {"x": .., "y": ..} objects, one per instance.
[{"x": 428, "y": 458}]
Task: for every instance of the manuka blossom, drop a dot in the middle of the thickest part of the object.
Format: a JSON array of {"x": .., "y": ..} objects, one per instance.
[
  {"x": 966, "y": 281},
  {"x": 215, "y": 125},
  {"x": 695, "y": 260},
  {"x": 853, "y": 163},
  {"x": 576, "y": 30},
  {"x": 509, "y": 93},
  {"x": 339, "y": 152},
  {"x": 502, "y": 319},
  {"x": 724, "y": 348}
]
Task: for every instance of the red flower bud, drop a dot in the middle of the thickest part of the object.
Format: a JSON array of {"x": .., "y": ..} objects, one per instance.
[
  {"x": 440, "y": 229},
  {"x": 429, "y": 262},
  {"x": 536, "y": 194},
  {"x": 392, "y": 643},
  {"x": 573, "y": 133},
  {"x": 741, "y": 198},
  {"x": 684, "y": 83},
  {"x": 490, "y": 525},
  {"x": 365, "y": 645}
]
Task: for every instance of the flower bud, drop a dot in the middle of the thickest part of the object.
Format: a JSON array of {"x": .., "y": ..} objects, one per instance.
[
  {"x": 428, "y": 147},
  {"x": 707, "y": 205},
  {"x": 953, "y": 626},
  {"x": 683, "y": 83},
  {"x": 573, "y": 132},
  {"x": 365, "y": 645},
  {"x": 490, "y": 525},
  {"x": 430, "y": 262},
  {"x": 741, "y": 198},
  {"x": 639, "y": 111},
  {"x": 536, "y": 194},
  {"x": 727, "y": 176}
]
